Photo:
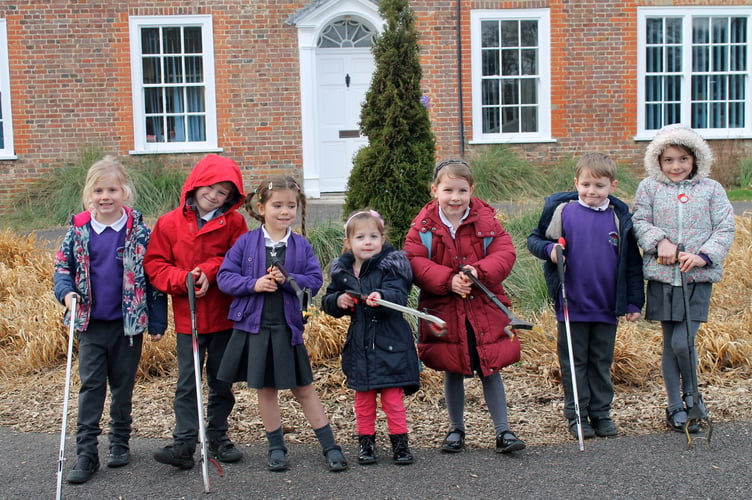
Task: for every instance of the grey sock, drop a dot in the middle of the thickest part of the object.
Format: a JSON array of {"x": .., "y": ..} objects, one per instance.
[
  {"x": 276, "y": 440},
  {"x": 326, "y": 438}
]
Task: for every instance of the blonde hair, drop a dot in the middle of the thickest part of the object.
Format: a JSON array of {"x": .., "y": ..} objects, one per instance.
[
  {"x": 109, "y": 165},
  {"x": 598, "y": 164},
  {"x": 277, "y": 183},
  {"x": 359, "y": 217},
  {"x": 453, "y": 168}
]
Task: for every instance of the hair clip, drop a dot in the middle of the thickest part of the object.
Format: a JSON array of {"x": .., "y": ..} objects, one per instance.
[
  {"x": 448, "y": 162},
  {"x": 270, "y": 186}
]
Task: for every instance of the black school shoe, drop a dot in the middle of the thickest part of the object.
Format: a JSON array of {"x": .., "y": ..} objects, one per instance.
[
  {"x": 119, "y": 456},
  {"x": 178, "y": 455},
  {"x": 457, "y": 442},
  {"x": 604, "y": 427},
  {"x": 507, "y": 442},
  {"x": 224, "y": 450},
  {"x": 83, "y": 470},
  {"x": 587, "y": 430}
]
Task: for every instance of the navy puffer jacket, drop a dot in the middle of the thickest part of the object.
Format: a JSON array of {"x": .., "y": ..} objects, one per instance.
[{"x": 380, "y": 349}]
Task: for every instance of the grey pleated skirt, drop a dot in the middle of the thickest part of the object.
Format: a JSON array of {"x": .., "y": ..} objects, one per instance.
[
  {"x": 266, "y": 359},
  {"x": 666, "y": 302}
]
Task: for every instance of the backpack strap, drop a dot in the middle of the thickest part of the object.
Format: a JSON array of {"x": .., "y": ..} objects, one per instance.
[{"x": 427, "y": 238}]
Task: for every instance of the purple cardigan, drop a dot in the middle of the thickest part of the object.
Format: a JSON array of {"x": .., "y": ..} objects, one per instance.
[{"x": 245, "y": 262}]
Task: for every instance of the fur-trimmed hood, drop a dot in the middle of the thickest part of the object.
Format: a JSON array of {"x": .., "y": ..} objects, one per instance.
[{"x": 678, "y": 135}]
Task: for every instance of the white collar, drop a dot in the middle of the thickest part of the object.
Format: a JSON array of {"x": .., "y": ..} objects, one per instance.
[
  {"x": 601, "y": 208},
  {"x": 208, "y": 215},
  {"x": 98, "y": 227},
  {"x": 448, "y": 224},
  {"x": 269, "y": 242}
]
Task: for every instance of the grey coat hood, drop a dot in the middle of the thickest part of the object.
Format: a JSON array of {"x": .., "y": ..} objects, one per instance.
[{"x": 678, "y": 135}]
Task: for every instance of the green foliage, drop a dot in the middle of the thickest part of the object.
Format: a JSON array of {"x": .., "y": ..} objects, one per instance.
[
  {"x": 392, "y": 173},
  {"x": 745, "y": 173},
  {"x": 54, "y": 198},
  {"x": 326, "y": 240}
]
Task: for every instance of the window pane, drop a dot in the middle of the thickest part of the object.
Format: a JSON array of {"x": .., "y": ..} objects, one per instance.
[
  {"x": 700, "y": 30},
  {"x": 653, "y": 116},
  {"x": 529, "y": 61},
  {"x": 151, "y": 71},
  {"x": 174, "y": 100},
  {"x": 509, "y": 92},
  {"x": 490, "y": 62},
  {"x": 718, "y": 88},
  {"x": 739, "y": 30},
  {"x": 510, "y": 121},
  {"x": 738, "y": 58},
  {"x": 153, "y": 100},
  {"x": 491, "y": 120},
  {"x": 736, "y": 115},
  {"x": 699, "y": 88},
  {"x": 654, "y": 59},
  {"x": 699, "y": 115},
  {"x": 175, "y": 129},
  {"x": 673, "y": 113},
  {"x": 720, "y": 58},
  {"x": 529, "y": 33},
  {"x": 192, "y": 37},
  {"x": 490, "y": 92},
  {"x": 700, "y": 58},
  {"x": 509, "y": 34},
  {"x": 196, "y": 128},
  {"x": 529, "y": 119},
  {"x": 720, "y": 29},
  {"x": 654, "y": 31},
  {"x": 150, "y": 40},
  {"x": 673, "y": 31},
  {"x": 194, "y": 69},
  {"x": 195, "y": 96},
  {"x": 673, "y": 88},
  {"x": 173, "y": 69},
  {"x": 717, "y": 115},
  {"x": 529, "y": 91},
  {"x": 154, "y": 131},
  {"x": 736, "y": 88},
  {"x": 510, "y": 62},
  {"x": 673, "y": 59},
  {"x": 489, "y": 34},
  {"x": 653, "y": 85},
  {"x": 171, "y": 40}
]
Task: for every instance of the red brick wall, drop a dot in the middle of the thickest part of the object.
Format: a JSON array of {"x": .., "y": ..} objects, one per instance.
[{"x": 70, "y": 80}]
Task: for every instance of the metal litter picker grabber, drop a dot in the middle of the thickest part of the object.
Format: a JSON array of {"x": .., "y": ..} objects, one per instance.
[
  {"x": 515, "y": 323},
  {"x": 565, "y": 306},
  {"x": 304, "y": 294},
  {"x": 438, "y": 325},
  {"x": 190, "y": 283},
  {"x": 68, "y": 364},
  {"x": 698, "y": 413}
]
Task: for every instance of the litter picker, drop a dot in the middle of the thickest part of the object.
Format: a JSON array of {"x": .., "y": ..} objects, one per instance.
[
  {"x": 698, "y": 414},
  {"x": 515, "y": 323},
  {"x": 560, "y": 246},
  {"x": 69, "y": 362},
  {"x": 437, "y": 325},
  {"x": 190, "y": 283},
  {"x": 304, "y": 294}
]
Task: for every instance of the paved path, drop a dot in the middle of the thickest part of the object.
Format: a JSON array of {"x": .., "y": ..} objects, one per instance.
[{"x": 656, "y": 466}]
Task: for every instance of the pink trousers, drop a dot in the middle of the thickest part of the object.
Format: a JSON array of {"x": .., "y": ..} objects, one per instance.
[{"x": 391, "y": 403}]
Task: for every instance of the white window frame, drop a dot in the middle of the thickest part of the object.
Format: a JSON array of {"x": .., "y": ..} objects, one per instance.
[
  {"x": 686, "y": 13},
  {"x": 141, "y": 145},
  {"x": 7, "y": 151},
  {"x": 542, "y": 16}
]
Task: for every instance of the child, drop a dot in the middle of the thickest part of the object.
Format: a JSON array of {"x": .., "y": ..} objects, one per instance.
[
  {"x": 379, "y": 354},
  {"x": 266, "y": 349},
  {"x": 194, "y": 238},
  {"x": 100, "y": 262},
  {"x": 603, "y": 281},
  {"x": 679, "y": 204},
  {"x": 464, "y": 235}
]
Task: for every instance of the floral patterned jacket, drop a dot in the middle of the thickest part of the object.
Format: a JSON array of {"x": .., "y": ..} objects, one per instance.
[{"x": 144, "y": 308}]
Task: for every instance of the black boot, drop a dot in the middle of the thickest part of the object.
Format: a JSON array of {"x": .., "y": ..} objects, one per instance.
[
  {"x": 367, "y": 451},
  {"x": 401, "y": 450}
]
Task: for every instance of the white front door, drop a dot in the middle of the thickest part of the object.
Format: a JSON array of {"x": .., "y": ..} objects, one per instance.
[{"x": 344, "y": 76}]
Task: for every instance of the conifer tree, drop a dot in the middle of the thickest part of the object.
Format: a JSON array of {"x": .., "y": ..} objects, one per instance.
[{"x": 392, "y": 174}]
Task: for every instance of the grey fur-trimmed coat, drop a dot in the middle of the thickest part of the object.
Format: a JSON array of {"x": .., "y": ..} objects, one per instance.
[
  {"x": 380, "y": 348},
  {"x": 695, "y": 212}
]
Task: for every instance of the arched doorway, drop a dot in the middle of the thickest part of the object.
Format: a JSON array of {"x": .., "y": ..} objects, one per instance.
[{"x": 336, "y": 64}]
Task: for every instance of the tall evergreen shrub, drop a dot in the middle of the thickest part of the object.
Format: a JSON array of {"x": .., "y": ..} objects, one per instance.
[{"x": 392, "y": 174}]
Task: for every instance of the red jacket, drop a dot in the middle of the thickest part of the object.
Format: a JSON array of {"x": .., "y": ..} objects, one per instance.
[
  {"x": 177, "y": 246},
  {"x": 450, "y": 352}
]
